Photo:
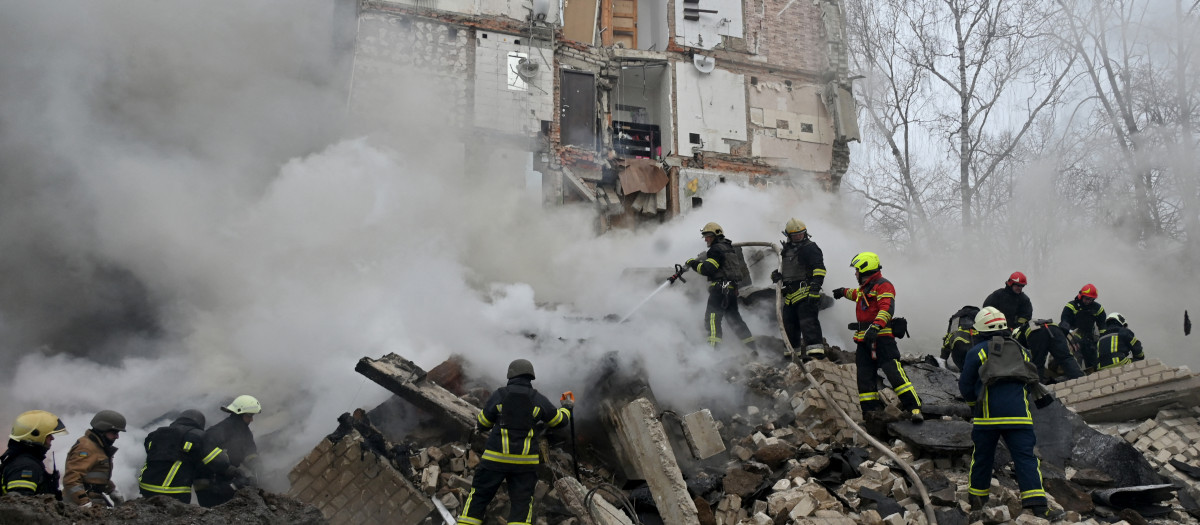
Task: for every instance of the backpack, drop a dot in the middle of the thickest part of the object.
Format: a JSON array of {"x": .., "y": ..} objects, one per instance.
[
  {"x": 1006, "y": 362},
  {"x": 739, "y": 271},
  {"x": 164, "y": 444},
  {"x": 966, "y": 313},
  {"x": 899, "y": 327}
]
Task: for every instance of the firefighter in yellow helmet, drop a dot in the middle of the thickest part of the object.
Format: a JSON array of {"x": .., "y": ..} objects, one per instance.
[
  {"x": 802, "y": 271},
  {"x": 232, "y": 435},
  {"x": 88, "y": 478},
  {"x": 22, "y": 467},
  {"x": 724, "y": 268}
]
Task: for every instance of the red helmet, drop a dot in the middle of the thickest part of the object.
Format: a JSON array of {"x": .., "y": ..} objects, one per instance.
[
  {"x": 1016, "y": 278},
  {"x": 1088, "y": 290}
]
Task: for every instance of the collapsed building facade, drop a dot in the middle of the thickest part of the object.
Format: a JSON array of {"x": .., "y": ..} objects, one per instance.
[{"x": 639, "y": 107}]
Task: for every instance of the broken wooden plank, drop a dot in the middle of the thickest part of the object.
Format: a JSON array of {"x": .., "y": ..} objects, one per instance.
[{"x": 407, "y": 380}]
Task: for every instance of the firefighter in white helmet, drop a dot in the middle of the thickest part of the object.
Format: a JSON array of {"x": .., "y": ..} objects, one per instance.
[
  {"x": 234, "y": 436},
  {"x": 22, "y": 468}
]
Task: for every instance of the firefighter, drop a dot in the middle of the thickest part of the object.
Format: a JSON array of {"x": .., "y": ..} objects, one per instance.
[
  {"x": 724, "y": 268},
  {"x": 802, "y": 272},
  {"x": 22, "y": 467},
  {"x": 176, "y": 454},
  {"x": 1045, "y": 338},
  {"x": 874, "y": 307},
  {"x": 232, "y": 435},
  {"x": 1001, "y": 410},
  {"x": 511, "y": 451},
  {"x": 88, "y": 478},
  {"x": 1117, "y": 346},
  {"x": 1083, "y": 316},
  {"x": 960, "y": 336},
  {"x": 1012, "y": 301}
]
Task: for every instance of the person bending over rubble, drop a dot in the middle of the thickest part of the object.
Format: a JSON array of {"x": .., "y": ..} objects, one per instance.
[
  {"x": 233, "y": 435},
  {"x": 998, "y": 396},
  {"x": 510, "y": 416},
  {"x": 176, "y": 455},
  {"x": 874, "y": 307},
  {"x": 1118, "y": 346},
  {"x": 88, "y": 479},
  {"x": 22, "y": 467},
  {"x": 1045, "y": 338}
]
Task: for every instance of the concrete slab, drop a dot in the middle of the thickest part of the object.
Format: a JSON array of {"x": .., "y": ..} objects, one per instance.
[
  {"x": 700, "y": 430},
  {"x": 407, "y": 380},
  {"x": 936, "y": 436},
  {"x": 644, "y": 440}
]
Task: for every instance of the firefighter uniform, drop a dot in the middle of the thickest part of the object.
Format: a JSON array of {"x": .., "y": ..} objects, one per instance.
[
  {"x": 510, "y": 454},
  {"x": 1044, "y": 338},
  {"x": 1013, "y": 305},
  {"x": 176, "y": 455},
  {"x": 803, "y": 272},
  {"x": 721, "y": 266},
  {"x": 874, "y": 305},
  {"x": 1084, "y": 319},
  {"x": 1001, "y": 411},
  {"x": 955, "y": 345},
  {"x": 1118, "y": 346},
  {"x": 24, "y": 471},
  {"x": 88, "y": 475},
  {"x": 232, "y": 435}
]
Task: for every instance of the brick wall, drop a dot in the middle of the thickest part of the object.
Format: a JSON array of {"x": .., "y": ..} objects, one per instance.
[
  {"x": 1133, "y": 391},
  {"x": 350, "y": 484}
]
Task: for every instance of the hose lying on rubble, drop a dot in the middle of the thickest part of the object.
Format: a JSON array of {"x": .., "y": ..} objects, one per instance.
[{"x": 928, "y": 505}]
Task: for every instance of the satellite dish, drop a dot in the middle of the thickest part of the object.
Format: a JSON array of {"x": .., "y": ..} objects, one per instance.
[
  {"x": 704, "y": 64},
  {"x": 541, "y": 9},
  {"x": 526, "y": 68}
]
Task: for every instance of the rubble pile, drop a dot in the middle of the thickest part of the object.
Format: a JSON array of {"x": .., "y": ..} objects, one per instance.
[
  {"x": 788, "y": 457},
  {"x": 248, "y": 506}
]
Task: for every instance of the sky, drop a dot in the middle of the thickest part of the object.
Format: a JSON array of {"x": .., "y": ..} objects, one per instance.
[{"x": 187, "y": 217}]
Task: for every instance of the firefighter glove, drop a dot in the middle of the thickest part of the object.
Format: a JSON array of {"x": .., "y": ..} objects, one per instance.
[
  {"x": 568, "y": 405},
  {"x": 839, "y": 293},
  {"x": 776, "y": 276},
  {"x": 871, "y": 333},
  {"x": 1044, "y": 401},
  {"x": 692, "y": 263}
]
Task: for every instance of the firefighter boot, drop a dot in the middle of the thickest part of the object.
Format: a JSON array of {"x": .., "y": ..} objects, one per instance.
[
  {"x": 916, "y": 417},
  {"x": 1047, "y": 513},
  {"x": 977, "y": 504}
]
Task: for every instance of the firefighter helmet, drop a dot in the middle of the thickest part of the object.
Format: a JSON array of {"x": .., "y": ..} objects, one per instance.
[
  {"x": 1120, "y": 319},
  {"x": 106, "y": 420},
  {"x": 193, "y": 415},
  {"x": 1088, "y": 290},
  {"x": 794, "y": 225},
  {"x": 1016, "y": 278},
  {"x": 865, "y": 262},
  {"x": 34, "y": 426},
  {"x": 712, "y": 228},
  {"x": 990, "y": 319},
  {"x": 243, "y": 404},
  {"x": 520, "y": 367}
]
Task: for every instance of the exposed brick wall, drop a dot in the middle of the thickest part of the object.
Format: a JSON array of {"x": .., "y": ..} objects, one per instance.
[
  {"x": 795, "y": 40},
  {"x": 350, "y": 484},
  {"x": 1133, "y": 391}
]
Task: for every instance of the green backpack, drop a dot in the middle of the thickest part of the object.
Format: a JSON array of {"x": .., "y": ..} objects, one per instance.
[{"x": 1006, "y": 361}]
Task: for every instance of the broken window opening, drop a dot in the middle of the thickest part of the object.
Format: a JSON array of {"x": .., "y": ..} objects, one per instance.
[
  {"x": 806, "y": 127},
  {"x": 641, "y": 111}
]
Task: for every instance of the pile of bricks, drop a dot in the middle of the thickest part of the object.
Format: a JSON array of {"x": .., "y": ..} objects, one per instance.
[
  {"x": 1134, "y": 391},
  {"x": 1173, "y": 434}
]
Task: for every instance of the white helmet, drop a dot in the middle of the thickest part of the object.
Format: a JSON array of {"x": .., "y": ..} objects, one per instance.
[
  {"x": 1118, "y": 318},
  {"x": 989, "y": 319},
  {"x": 243, "y": 404}
]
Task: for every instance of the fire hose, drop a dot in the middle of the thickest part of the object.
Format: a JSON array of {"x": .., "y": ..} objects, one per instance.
[{"x": 912, "y": 474}]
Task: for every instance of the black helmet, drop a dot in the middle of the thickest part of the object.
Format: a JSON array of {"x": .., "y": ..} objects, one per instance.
[
  {"x": 193, "y": 415},
  {"x": 106, "y": 420},
  {"x": 520, "y": 367}
]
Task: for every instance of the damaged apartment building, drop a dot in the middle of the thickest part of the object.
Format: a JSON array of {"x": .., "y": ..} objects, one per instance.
[{"x": 639, "y": 107}]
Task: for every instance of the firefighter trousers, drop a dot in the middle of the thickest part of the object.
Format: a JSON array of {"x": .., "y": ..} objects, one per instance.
[
  {"x": 801, "y": 325},
  {"x": 723, "y": 306},
  {"x": 483, "y": 488},
  {"x": 1020, "y": 443},
  {"x": 882, "y": 355}
]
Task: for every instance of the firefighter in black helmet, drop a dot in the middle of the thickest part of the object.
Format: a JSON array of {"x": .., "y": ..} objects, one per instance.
[
  {"x": 803, "y": 272},
  {"x": 22, "y": 467},
  {"x": 176, "y": 455},
  {"x": 724, "y": 268},
  {"x": 510, "y": 453},
  {"x": 88, "y": 478}
]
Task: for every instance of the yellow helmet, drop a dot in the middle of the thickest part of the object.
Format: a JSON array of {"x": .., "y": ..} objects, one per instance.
[
  {"x": 712, "y": 228},
  {"x": 794, "y": 225},
  {"x": 243, "y": 404},
  {"x": 865, "y": 262},
  {"x": 35, "y": 425}
]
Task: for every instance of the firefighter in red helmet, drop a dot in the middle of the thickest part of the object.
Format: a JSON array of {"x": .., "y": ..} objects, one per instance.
[
  {"x": 1083, "y": 316},
  {"x": 1012, "y": 301}
]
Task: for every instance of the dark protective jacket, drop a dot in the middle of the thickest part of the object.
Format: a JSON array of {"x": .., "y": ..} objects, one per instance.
[
  {"x": 233, "y": 435},
  {"x": 1005, "y": 404},
  {"x": 24, "y": 472},
  {"x": 182, "y": 454},
  {"x": 803, "y": 270},
  {"x": 1016, "y": 307},
  {"x": 511, "y": 415},
  {"x": 721, "y": 262},
  {"x": 1117, "y": 346},
  {"x": 875, "y": 303},
  {"x": 88, "y": 473},
  {"x": 956, "y": 344},
  {"x": 1084, "y": 318}
]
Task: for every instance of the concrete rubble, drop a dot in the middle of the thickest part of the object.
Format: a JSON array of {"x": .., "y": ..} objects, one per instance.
[{"x": 787, "y": 458}]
